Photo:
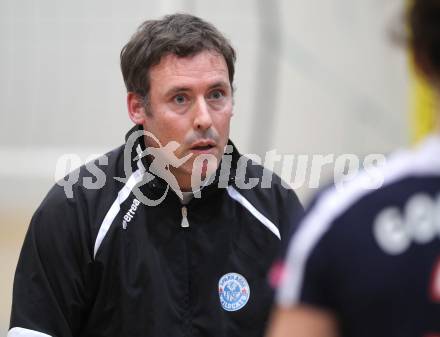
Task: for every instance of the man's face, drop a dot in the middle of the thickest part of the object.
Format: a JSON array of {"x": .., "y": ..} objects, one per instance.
[{"x": 190, "y": 102}]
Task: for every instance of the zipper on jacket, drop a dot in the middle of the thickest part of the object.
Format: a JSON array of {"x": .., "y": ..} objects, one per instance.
[
  {"x": 184, "y": 223},
  {"x": 187, "y": 316}
]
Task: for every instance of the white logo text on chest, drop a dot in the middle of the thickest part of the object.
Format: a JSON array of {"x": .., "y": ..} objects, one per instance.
[{"x": 130, "y": 213}]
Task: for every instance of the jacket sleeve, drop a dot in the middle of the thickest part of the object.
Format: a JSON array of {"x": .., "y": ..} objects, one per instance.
[{"x": 52, "y": 288}]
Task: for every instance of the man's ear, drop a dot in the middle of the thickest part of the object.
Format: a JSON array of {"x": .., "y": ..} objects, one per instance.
[{"x": 136, "y": 108}]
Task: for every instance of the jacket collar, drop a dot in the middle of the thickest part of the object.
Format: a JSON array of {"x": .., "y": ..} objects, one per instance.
[{"x": 157, "y": 184}]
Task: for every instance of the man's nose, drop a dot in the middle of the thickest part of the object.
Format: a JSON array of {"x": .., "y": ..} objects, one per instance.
[{"x": 202, "y": 118}]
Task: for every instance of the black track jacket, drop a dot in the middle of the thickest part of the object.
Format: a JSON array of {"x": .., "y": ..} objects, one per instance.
[{"x": 99, "y": 262}]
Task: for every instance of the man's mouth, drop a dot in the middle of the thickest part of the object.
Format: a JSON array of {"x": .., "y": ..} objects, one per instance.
[{"x": 203, "y": 145}]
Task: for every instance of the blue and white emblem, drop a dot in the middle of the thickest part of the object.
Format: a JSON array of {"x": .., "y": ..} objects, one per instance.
[{"x": 234, "y": 291}]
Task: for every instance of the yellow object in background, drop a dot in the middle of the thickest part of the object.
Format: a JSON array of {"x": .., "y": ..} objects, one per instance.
[{"x": 423, "y": 106}]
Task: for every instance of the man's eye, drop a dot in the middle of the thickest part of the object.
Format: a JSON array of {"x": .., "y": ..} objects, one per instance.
[
  {"x": 216, "y": 94},
  {"x": 180, "y": 99}
]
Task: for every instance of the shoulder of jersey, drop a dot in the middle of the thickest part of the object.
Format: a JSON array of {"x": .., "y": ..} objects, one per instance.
[{"x": 422, "y": 161}]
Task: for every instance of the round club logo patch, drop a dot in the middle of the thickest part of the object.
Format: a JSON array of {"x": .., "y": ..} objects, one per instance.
[{"x": 234, "y": 291}]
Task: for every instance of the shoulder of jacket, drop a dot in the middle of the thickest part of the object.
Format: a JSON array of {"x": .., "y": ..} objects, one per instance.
[{"x": 90, "y": 184}]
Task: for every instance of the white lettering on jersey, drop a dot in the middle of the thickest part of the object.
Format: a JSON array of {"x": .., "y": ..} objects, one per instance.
[{"x": 419, "y": 222}]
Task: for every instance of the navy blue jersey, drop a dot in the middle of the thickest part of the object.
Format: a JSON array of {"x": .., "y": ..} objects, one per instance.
[{"x": 372, "y": 257}]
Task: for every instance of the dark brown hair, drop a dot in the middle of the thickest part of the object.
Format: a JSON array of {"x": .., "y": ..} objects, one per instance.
[
  {"x": 180, "y": 34},
  {"x": 424, "y": 23}
]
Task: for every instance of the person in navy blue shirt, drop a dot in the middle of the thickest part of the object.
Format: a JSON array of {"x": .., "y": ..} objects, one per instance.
[{"x": 366, "y": 262}]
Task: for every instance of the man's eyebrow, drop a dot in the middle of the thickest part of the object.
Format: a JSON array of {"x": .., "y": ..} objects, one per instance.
[
  {"x": 180, "y": 89},
  {"x": 219, "y": 84},
  {"x": 176, "y": 90}
]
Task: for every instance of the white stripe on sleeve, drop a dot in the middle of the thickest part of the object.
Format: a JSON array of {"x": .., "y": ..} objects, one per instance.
[
  {"x": 123, "y": 194},
  {"x": 21, "y": 332},
  {"x": 233, "y": 193}
]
